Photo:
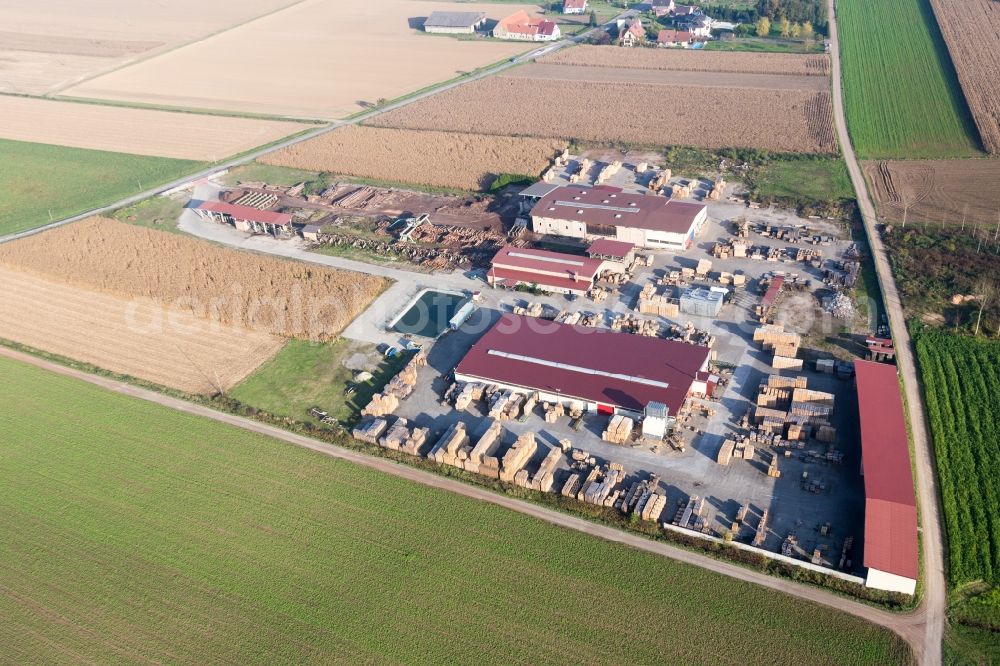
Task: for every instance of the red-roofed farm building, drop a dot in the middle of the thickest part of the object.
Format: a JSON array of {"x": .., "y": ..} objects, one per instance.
[
  {"x": 603, "y": 211},
  {"x": 552, "y": 271},
  {"x": 593, "y": 369},
  {"x": 521, "y": 26},
  {"x": 891, "y": 555},
  {"x": 245, "y": 218}
]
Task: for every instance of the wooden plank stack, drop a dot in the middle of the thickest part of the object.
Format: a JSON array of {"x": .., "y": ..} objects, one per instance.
[
  {"x": 446, "y": 450},
  {"x": 518, "y": 456},
  {"x": 545, "y": 476},
  {"x": 619, "y": 429},
  {"x": 416, "y": 441},
  {"x": 478, "y": 461},
  {"x": 726, "y": 452},
  {"x": 369, "y": 430}
]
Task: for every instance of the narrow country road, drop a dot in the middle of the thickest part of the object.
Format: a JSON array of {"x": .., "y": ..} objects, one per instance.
[
  {"x": 932, "y": 607},
  {"x": 907, "y": 626}
]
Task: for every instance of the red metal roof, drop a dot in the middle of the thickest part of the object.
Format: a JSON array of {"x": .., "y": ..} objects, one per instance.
[
  {"x": 668, "y": 36},
  {"x": 512, "y": 278},
  {"x": 574, "y": 4},
  {"x": 246, "y": 213},
  {"x": 609, "y": 205},
  {"x": 552, "y": 264},
  {"x": 772, "y": 291},
  {"x": 890, "y": 502},
  {"x": 610, "y": 248},
  {"x": 596, "y": 365}
]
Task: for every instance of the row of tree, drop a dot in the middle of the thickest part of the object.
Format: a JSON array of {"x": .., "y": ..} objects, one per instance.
[
  {"x": 786, "y": 29},
  {"x": 794, "y": 11}
]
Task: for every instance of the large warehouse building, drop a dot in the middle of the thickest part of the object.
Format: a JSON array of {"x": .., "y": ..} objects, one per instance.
[
  {"x": 890, "y": 504},
  {"x": 603, "y": 211},
  {"x": 596, "y": 369}
]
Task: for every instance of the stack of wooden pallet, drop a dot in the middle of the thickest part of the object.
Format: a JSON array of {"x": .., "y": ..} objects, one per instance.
[{"x": 619, "y": 429}]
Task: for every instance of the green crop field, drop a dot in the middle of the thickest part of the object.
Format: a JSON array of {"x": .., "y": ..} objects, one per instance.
[
  {"x": 962, "y": 388},
  {"x": 40, "y": 183},
  {"x": 901, "y": 93},
  {"x": 137, "y": 533}
]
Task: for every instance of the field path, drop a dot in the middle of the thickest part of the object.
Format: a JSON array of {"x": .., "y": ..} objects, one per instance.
[
  {"x": 931, "y": 612},
  {"x": 909, "y": 627}
]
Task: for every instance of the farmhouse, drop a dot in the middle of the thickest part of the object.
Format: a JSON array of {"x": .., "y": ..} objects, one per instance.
[
  {"x": 454, "y": 22},
  {"x": 890, "y": 505},
  {"x": 659, "y": 8},
  {"x": 603, "y": 211},
  {"x": 593, "y": 369},
  {"x": 245, "y": 218},
  {"x": 631, "y": 32},
  {"x": 551, "y": 271},
  {"x": 574, "y": 6},
  {"x": 521, "y": 26},
  {"x": 674, "y": 38},
  {"x": 695, "y": 23}
]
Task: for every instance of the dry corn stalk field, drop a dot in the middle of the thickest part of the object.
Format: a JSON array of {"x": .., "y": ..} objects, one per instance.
[
  {"x": 234, "y": 288},
  {"x": 937, "y": 191},
  {"x": 439, "y": 159},
  {"x": 185, "y": 136},
  {"x": 971, "y": 29},
  {"x": 797, "y": 121},
  {"x": 693, "y": 61},
  {"x": 137, "y": 338}
]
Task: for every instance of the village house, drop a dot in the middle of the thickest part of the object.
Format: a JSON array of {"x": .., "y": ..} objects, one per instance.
[
  {"x": 674, "y": 39},
  {"x": 698, "y": 24},
  {"x": 574, "y": 6},
  {"x": 631, "y": 33},
  {"x": 522, "y": 27},
  {"x": 660, "y": 8}
]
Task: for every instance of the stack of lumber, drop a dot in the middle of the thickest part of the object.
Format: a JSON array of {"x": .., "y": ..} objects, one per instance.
[
  {"x": 416, "y": 441},
  {"x": 398, "y": 388},
  {"x": 469, "y": 393},
  {"x": 608, "y": 171},
  {"x": 782, "y": 362},
  {"x": 679, "y": 191},
  {"x": 774, "y": 397},
  {"x": 545, "y": 476},
  {"x": 505, "y": 405},
  {"x": 797, "y": 432},
  {"x": 703, "y": 267},
  {"x": 686, "y": 512},
  {"x": 518, "y": 456},
  {"x": 761, "y": 535},
  {"x": 619, "y": 429},
  {"x": 380, "y": 405},
  {"x": 572, "y": 486},
  {"x": 370, "y": 430},
  {"x": 657, "y": 304},
  {"x": 803, "y": 394},
  {"x": 395, "y": 436},
  {"x": 600, "y": 483},
  {"x": 772, "y": 469},
  {"x": 777, "y": 381},
  {"x": 481, "y": 459},
  {"x": 744, "y": 450},
  {"x": 717, "y": 189},
  {"x": 553, "y": 411},
  {"x": 826, "y": 434},
  {"x": 446, "y": 450},
  {"x": 651, "y": 506},
  {"x": 726, "y": 452}
]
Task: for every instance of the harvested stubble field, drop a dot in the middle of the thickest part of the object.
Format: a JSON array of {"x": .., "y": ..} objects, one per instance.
[
  {"x": 285, "y": 298},
  {"x": 189, "y": 541},
  {"x": 971, "y": 30},
  {"x": 305, "y": 61},
  {"x": 692, "y": 61},
  {"x": 438, "y": 159},
  {"x": 48, "y": 44},
  {"x": 937, "y": 191},
  {"x": 142, "y": 339},
  {"x": 673, "y": 78},
  {"x": 629, "y": 113},
  {"x": 185, "y": 136}
]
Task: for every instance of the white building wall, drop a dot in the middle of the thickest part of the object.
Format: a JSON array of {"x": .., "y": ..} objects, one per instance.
[
  {"x": 883, "y": 580},
  {"x": 463, "y": 30}
]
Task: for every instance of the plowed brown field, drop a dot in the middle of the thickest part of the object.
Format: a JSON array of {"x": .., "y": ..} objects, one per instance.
[
  {"x": 234, "y": 288},
  {"x": 971, "y": 29},
  {"x": 669, "y": 77},
  {"x": 438, "y": 159},
  {"x": 127, "y": 336},
  {"x": 692, "y": 61},
  {"x": 789, "y": 121},
  {"x": 937, "y": 191}
]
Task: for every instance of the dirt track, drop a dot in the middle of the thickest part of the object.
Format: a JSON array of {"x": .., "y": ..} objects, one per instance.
[
  {"x": 930, "y": 616},
  {"x": 906, "y": 626}
]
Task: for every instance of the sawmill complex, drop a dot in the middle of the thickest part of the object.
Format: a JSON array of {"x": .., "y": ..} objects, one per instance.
[
  {"x": 592, "y": 369},
  {"x": 604, "y": 211},
  {"x": 890, "y": 503}
]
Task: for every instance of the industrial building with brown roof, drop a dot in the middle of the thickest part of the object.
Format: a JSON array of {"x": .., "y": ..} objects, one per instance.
[
  {"x": 603, "y": 211},
  {"x": 600, "y": 370},
  {"x": 890, "y": 548}
]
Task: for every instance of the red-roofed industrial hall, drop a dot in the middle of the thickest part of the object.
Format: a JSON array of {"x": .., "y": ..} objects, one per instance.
[
  {"x": 599, "y": 370},
  {"x": 891, "y": 549}
]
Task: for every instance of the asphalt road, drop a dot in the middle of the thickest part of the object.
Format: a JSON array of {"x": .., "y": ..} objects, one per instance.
[
  {"x": 931, "y": 612},
  {"x": 908, "y": 626}
]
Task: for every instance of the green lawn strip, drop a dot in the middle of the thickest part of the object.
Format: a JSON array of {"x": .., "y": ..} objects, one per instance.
[
  {"x": 901, "y": 92},
  {"x": 157, "y": 535},
  {"x": 765, "y": 45},
  {"x": 157, "y": 212},
  {"x": 312, "y": 374},
  {"x": 821, "y": 179},
  {"x": 42, "y": 183}
]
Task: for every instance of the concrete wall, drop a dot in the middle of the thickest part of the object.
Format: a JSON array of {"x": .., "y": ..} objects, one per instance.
[
  {"x": 466, "y": 30},
  {"x": 883, "y": 580}
]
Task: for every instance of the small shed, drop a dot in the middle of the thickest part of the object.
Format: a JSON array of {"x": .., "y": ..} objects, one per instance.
[
  {"x": 701, "y": 302},
  {"x": 606, "y": 249}
]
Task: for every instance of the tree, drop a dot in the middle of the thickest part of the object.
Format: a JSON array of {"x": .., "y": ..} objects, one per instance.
[
  {"x": 985, "y": 291},
  {"x": 795, "y": 31},
  {"x": 763, "y": 27},
  {"x": 593, "y": 19},
  {"x": 807, "y": 31},
  {"x": 786, "y": 27}
]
